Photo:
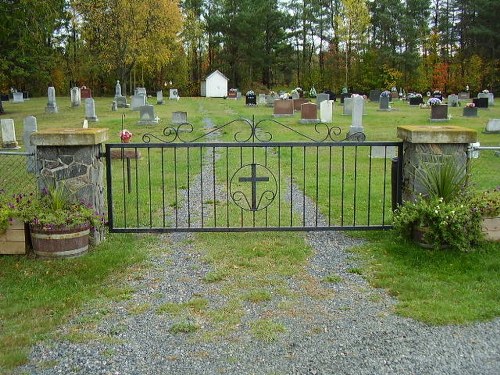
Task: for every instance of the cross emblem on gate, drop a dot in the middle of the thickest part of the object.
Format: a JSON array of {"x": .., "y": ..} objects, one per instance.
[{"x": 254, "y": 179}]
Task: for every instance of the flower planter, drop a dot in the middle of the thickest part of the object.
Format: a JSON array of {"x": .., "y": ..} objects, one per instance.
[
  {"x": 439, "y": 113},
  {"x": 470, "y": 112},
  {"x": 13, "y": 240},
  {"x": 491, "y": 228},
  {"x": 60, "y": 243}
]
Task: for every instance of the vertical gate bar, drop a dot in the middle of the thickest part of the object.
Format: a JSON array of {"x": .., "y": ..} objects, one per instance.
[
  {"x": 109, "y": 188},
  {"x": 330, "y": 187},
  {"x": 304, "y": 186},
  {"x": 279, "y": 186},
  {"x": 176, "y": 199},
  {"x": 291, "y": 186},
  {"x": 265, "y": 163},
  {"x": 317, "y": 185},
  {"x": 163, "y": 187},
  {"x": 369, "y": 184},
  {"x": 150, "y": 192},
  {"x": 342, "y": 188},
  {"x": 385, "y": 181},
  {"x": 129, "y": 178},
  {"x": 227, "y": 186},
  {"x": 201, "y": 185},
  {"x": 188, "y": 187},
  {"x": 241, "y": 165},
  {"x": 355, "y": 184},
  {"x": 213, "y": 186},
  {"x": 124, "y": 186}
]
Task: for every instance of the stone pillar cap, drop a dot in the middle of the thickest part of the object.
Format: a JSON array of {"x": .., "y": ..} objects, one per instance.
[
  {"x": 436, "y": 134},
  {"x": 70, "y": 137}
]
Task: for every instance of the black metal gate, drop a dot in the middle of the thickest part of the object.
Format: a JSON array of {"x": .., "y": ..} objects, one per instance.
[{"x": 241, "y": 177}]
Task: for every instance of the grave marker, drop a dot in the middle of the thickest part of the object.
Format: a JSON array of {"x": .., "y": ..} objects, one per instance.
[
  {"x": 326, "y": 111},
  {"x": 138, "y": 101},
  {"x": 179, "y": 117},
  {"x": 174, "y": 94},
  {"x": 309, "y": 113},
  {"x": 8, "y": 133},
  {"x": 90, "y": 110},
  {"x": 17, "y": 97},
  {"x": 76, "y": 97},
  {"x": 147, "y": 115},
  {"x": 347, "y": 110},
  {"x": 159, "y": 97},
  {"x": 283, "y": 108},
  {"x": 29, "y": 127},
  {"x": 493, "y": 126},
  {"x": 51, "y": 104},
  {"x": 453, "y": 100}
]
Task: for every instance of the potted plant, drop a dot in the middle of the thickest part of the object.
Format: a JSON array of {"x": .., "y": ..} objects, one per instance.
[
  {"x": 488, "y": 205},
  {"x": 439, "y": 112},
  {"x": 443, "y": 216},
  {"x": 470, "y": 110},
  {"x": 59, "y": 226}
]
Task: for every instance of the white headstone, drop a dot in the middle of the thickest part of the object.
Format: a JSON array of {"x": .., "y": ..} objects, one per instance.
[
  {"x": 76, "y": 97},
  {"x": 147, "y": 115},
  {"x": 137, "y": 102},
  {"x": 29, "y": 127},
  {"x": 51, "y": 104},
  {"x": 453, "y": 100},
  {"x": 90, "y": 110},
  {"x": 85, "y": 124},
  {"x": 17, "y": 97},
  {"x": 174, "y": 94},
  {"x": 357, "y": 116},
  {"x": 114, "y": 106},
  {"x": 179, "y": 117},
  {"x": 8, "y": 133},
  {"x": 262, "y": 99},
  {"x": 493, "y": 126},
  {"x": 326, "y": 111},
  {"x": 159, "y": 97},
  {"x": 140, "y": 91}
]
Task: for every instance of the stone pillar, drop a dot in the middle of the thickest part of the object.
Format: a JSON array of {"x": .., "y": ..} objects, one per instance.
[
  {"x": 73, "y": 156},
  {"x": 422, "y": 143}
]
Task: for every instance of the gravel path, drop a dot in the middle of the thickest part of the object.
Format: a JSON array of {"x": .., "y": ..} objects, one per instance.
[{"x": 352, "y": 331}]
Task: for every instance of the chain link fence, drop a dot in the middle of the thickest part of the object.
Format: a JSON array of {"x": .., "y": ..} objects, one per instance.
[{"x": 17, "y": 173}]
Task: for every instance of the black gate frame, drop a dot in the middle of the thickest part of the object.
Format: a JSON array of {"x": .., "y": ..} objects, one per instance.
[{"x": 175, "y": 138}]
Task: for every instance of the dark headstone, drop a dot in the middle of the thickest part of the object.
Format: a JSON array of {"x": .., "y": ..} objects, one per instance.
[
  {"x": 1, "y": 108},
  {"x": 332, "y": 95},
  {"x": 416, "y": 100},
  {"x": 343, "y": 96},
  {"x": 374, "y": 95},
  {"x": 4, "y": 97},
  {"x": 251, "y": 99},
  {"x": 480, "y": 102}
]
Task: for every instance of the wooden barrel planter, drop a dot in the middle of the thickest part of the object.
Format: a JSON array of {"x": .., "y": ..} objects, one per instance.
[{"x": 60, "y": 243}]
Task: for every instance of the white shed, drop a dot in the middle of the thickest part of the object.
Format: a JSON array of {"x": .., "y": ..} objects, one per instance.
[{"x": 215, "y": 85}]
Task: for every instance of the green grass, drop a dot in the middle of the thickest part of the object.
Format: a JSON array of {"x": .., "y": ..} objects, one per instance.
[
  {"x": 433, "y": 287},
  {"x": 37, "y": 296}
]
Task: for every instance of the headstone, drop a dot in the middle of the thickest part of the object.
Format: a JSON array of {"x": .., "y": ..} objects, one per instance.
[
  {"x": 343, "y": 97},
  {"x": 416, "y": 100},
  {"x": 493, "y": 126},
  {"x": 383, "y": 104},
  {"x": 297, "y": 103},
  {"x": 232, "y": 94},
  {"x": 76, "y": 98},
  {"x": 238, "y": 94},
  {"x": 326, "y": 111},
  {"x": 270, "y": 100},
  {"x": 179, "y": 117},
  {"x": 381, "y": 152},
  {"x": 262, "y": 99},
  {"x": 51, "y": 104},
  {"x": 439, "y": 113},
  {"x": 8, "y": 133},
  {"x": 374, "y": 95},
  {"x": 489, "y": 96},
  {"x": 137, "y": 102},
  {"x": 321, "y": 97},
  {"x": 174, "y": 94},
  {"x": 283, "y": 108},
  {"x": 480, "y": 102},
  {"x": 121, "y": 102},
  {"x": 147, "y": 115},
  {"x": 140, "y": 91},
  {"x": 90, "y": 110},
  {"x": 295, "y": 95},
  {"x": 85, "y": 124},
  {"x": 159, "y": 97},
  {"x": 17, "y": 97},
  {"x": 2, "y": 111},
  {"x": 250, "y": 99},
  {"x": 309, "y": 113},
  {"x": 347, "y": 110},
  {"x": 29, "y": 127},
  {"x": 453, "y": 100},
  {"x": 114, "y": 106},
  {"x": 85, "y": 92},
  {"x": 358, "y": 104},
  {"x": 464, "y": 95}
]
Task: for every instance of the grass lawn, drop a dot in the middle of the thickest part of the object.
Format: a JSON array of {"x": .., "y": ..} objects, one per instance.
[{"x": 433, "y": 287}]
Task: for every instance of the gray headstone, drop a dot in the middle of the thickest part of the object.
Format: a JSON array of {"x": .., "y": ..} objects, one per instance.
[
  {"x": 51, "y": 103},
  {"x": 121, "y": 102},
  {"x": 8, "y": 133},
  {"x": 358, "y": 104},
  {"x": 321, "y": 97},
  {"x": 453, "y": 100},
  {"x": 347, "y": 110},
  {"x": 387, "y": 152},
  {"x": 138, "y": 101},
  {"x": 295, "y": 95},
  {"x": 159, "y": 97},
  {"x": 179, "y": 117},
  {"x": 114, "y": 106},
  {"x": 147, "y": 115},
  {"x": 76, "y": 97},
  {"x": 118, "y": 89},
  {"x": 262, "y": 99},
  {"x": 383, "y": 104},
  {"x": 90, "y": 110},
  {"x": 140, "y": 91},
  {"x": 17, "y": 97},
  {"x": 374, "y": 95},
  {"x": 174, "y": 94}
]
